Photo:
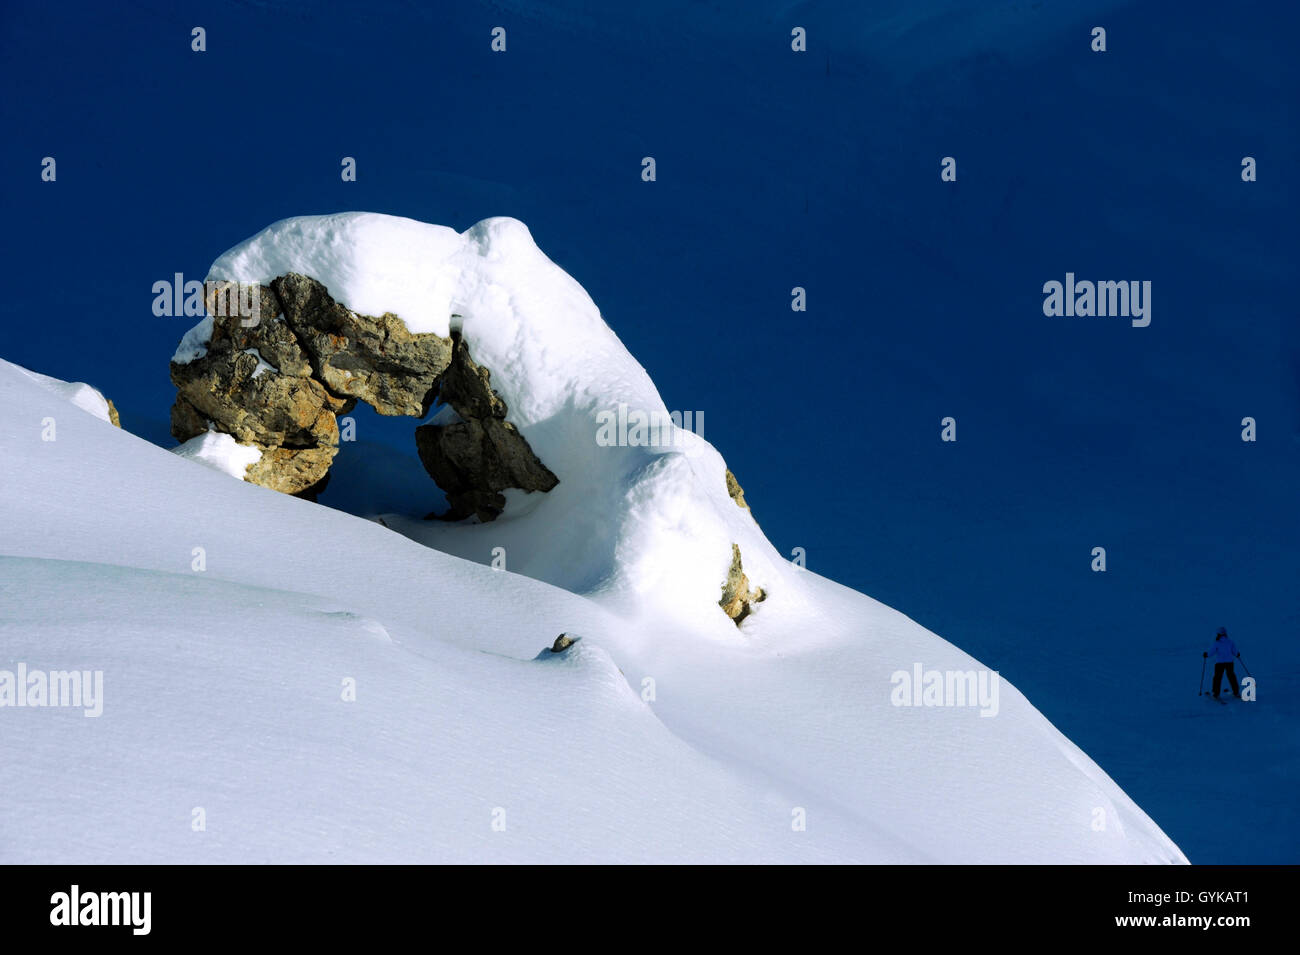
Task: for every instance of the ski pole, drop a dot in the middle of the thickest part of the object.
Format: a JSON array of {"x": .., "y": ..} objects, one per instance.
[
  {"x": 1201, "y": 690},
  {"x": 1243, "y": 666}
]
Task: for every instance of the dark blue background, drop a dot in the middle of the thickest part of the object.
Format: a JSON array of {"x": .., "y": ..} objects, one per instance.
[{"x": 778, "y": 169}]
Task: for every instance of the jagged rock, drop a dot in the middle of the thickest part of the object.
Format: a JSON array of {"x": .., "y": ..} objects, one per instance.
[
  {"x": 473, "y": 460},
  {"x": 562, "y": 643},
  {"x": 254, "y": 383},
  {"x": 267, "y": 332},
  {"x": 278, "y": 378},
  {"x": 112, "y": 413},
  {"x": 230, "y": 389},
  {"x": 186, "y": 421},
  {"x": 735, "y": 490},
  {"x": 360, "y": 356},
  {"x": 467, "y": 386},
  {"x": 737, "y": 599}
]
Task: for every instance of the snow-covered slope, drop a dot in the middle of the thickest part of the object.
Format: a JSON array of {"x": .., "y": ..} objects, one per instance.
[{"x": 229, "y": 621}]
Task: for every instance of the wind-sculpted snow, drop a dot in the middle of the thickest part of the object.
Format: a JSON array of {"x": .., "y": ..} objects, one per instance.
[
  {"x": 315, "y": 687},
  {"x": 646, "y": 524}
]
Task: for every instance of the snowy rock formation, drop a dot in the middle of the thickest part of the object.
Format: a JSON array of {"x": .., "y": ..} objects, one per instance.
[
  {"x": 256, "y": 382},
  {"x": 712, "y": 692},
  {"x": 278, "y": 378},
  {"x": 526, "y": 378}
]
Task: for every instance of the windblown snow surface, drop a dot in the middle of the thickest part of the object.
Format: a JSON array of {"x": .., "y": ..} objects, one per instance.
[{"x": 233, "y": 626}]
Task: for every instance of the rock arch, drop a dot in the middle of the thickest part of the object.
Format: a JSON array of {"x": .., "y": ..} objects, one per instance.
[{"x": 279, "y": 382}]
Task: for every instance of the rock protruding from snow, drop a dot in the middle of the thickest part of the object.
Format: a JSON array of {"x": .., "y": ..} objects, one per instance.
[
  {"x": 643, "y": 518},
  {"x": 374, "y": 359},
  {"x": 277, "y": 380},
  {"x": 478, "y": 457},
  {"x": 254, "y": 381},
  {"x": 737, "y": 599},
  {"x": 736, "y": 492}
]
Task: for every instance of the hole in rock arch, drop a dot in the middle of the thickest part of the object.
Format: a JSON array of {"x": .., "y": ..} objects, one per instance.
[{"x": 380, "y": 472}]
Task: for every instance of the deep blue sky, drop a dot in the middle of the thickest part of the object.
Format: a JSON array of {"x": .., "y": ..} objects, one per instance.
[{"x": 778, "y": 169}]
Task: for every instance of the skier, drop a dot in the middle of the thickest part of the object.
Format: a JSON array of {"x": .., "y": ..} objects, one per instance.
[{"x": 1224, "y": 652}]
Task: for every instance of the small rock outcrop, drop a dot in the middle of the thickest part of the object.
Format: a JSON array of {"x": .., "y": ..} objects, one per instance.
[
  {"x": 734, "y": 489},
  {"x": 279, "y": 381},
  {"x": 737, "y": 599}
]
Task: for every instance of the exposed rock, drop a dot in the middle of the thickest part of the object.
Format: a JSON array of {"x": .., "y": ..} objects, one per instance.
[
  {"x": 473, "y": 460},
  {"x": 735, "y": 490},
  {"x": 255, "y": 383},
  {"x": 270, "y": 409},
  {"x": 562, "y": 643},
  {"x": 359, "y": 356},
  {"x": 277, "y": 379},
  {"x": 112, "y": 413},
  {"x": 737, "y": 599},
  {"x": 302, "y": 472},
  {"x": 467, "y": 386},
  {"x": 266, "y": 332}
]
